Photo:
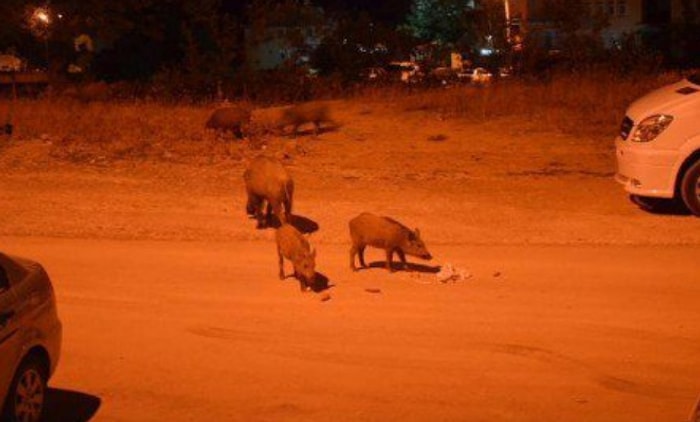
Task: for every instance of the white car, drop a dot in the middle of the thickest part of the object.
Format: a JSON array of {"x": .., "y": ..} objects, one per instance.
[
  {"x": 478, "y": 75},
  {"x": 410, "y": 72},
  {"x": 30, "y": 338},
  {"x": 658, "y": 148}
]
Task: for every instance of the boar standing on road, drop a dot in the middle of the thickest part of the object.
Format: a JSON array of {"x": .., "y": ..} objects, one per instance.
[
  {"x": 291, "y": 244},
  {"x": 385, "y": 233},
  {"x": 300, "y": 114},
  {"x": 230, "y": 119},
  {"x": 269, "y": 187}
]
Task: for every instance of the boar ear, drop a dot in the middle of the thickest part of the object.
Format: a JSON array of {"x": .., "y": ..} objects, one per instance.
[
  {"x": 313, "y": 252},
  {"x": 417, "y": 232}
]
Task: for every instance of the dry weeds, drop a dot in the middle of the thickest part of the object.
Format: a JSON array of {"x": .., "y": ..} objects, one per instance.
[{"x": 588, "y": 105}]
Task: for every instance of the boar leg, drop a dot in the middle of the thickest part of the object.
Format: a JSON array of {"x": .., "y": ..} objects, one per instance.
[
  {"x": 255, "y": 203},
  {"x": 361, "y": 252},
  {"x": 238, "y": 132},
  {"x": 281, "y": 263},
  {"x": 389, "y": 256},
  {"x": 353, "y": 252},
  {"x": 259, "y": 213},
  {"x": 252, "y": 206},
  {"x": 276, "y": 207},
  {"x": 268, "y": 212},
  {"x": 402, "y": 257}
]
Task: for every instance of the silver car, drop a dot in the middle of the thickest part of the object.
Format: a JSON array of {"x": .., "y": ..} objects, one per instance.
[{"x": 30, "y": 338}]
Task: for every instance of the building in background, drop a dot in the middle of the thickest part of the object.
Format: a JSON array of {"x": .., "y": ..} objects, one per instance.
[{"x": 612, "y": 19}]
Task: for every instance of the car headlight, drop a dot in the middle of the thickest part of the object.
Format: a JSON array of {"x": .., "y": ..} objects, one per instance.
[{"x": 651, "y": 127}]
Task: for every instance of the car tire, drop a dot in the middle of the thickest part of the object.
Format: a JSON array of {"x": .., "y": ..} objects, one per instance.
[
  {"x": 26, "y": 397},
  {"x": 660, "y": 205},
  {"x": 690, "y": 188}
]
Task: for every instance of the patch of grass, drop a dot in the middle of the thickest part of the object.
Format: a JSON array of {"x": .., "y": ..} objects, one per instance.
[
  {"x": 81, "y": 132},
  {"x": 587, "y": 105}
]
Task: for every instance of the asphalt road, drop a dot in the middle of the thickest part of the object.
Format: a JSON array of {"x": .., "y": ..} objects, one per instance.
[{"x": 183, "y": 331}]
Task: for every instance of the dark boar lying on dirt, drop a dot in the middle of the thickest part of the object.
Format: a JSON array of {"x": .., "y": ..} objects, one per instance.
[
  {"x": 291, "y": 244},
  {"x": 268, "y": 186},
  {"x": 385, "y": 233},
  {"x": 300, "y": 114},
  {"x": 233, "y": 119}
]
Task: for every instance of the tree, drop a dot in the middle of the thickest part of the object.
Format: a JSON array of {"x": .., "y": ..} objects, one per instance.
[
  {"x": 290, "y": 21},
  {"x": 189, "y": 43},
  {"x": 444, "y": 21}
]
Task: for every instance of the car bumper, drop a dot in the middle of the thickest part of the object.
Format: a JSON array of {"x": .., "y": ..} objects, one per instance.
[{"x": 645, "y": 171}]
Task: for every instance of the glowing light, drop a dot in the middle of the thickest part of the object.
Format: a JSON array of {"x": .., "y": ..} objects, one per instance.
[{"x": 43, "y": 16}]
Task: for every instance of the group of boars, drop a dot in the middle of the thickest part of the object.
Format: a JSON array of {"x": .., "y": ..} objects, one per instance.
[{"x": 270, "y": 192}]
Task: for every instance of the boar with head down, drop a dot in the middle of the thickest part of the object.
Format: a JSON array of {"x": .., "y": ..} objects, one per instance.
[
  {"x": 385, "y": 233},
  {"x": 292, "y": 245}
]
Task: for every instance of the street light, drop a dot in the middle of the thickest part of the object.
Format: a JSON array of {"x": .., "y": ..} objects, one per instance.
[
  {"x": 40, "y": 24},
  {"x": 42, "y": 15}
]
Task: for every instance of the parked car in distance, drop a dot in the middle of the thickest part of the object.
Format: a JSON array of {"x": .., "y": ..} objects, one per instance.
[
  {"x": 658, "y": 148},
  {"x": 477, "y": 75},
  {"x": 373, "y": 74},
  {"x": 30, "y": 338},
  {"x": 10, "y": 63},
  {"x": 443, "y": 75},
  {"x": 409, "y": 72}
]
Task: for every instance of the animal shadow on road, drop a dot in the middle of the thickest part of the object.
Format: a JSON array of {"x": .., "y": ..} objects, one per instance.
[
  {"x": 303, "y": 224},
  {"x": 321, "y": 283},
  {"x": 65, "y": 405},
  {"x": 397, "y": 266}
]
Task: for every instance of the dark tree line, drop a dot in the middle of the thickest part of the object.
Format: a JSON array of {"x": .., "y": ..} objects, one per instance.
[{"x": 201, "y": 44}]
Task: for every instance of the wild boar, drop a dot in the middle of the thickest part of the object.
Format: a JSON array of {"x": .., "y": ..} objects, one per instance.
[
  {"x": 291, "y": 244},
  {"x": 300, "y": 114},
  {"x": 385, "y": 233},
  {"x": 269, "y": 187},
  {"x": 232, "y": 119}
]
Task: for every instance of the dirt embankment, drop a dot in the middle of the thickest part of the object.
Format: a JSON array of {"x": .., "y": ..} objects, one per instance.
[{"x": 505, "y": 181}]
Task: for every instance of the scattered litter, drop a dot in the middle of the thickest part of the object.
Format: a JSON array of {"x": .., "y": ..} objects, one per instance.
[
  {"x": 325, "y": 297},
  {"x": 373, "y": 290},
  {"x": 497, "y": 274},
  {"x": 449, "y": 272}
]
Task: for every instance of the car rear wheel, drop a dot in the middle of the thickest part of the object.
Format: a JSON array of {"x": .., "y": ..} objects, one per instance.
[
  {"x": 26, "y": 397},
  {"x": 690, "y": 188}
]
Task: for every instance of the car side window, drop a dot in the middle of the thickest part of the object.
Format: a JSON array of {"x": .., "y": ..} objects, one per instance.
[{"x": 4, "y": 281}]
